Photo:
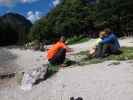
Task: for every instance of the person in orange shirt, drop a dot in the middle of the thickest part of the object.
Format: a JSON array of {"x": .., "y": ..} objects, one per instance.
[{"x": 57, "y": 53}]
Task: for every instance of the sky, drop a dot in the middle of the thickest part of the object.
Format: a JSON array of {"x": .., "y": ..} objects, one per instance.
[{"x": 31, "y": 9}]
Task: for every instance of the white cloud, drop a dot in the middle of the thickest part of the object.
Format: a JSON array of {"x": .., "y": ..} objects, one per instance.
[
  {"x": 33, "y": 16},
  {"x": 56, "y": 2},
  {"x": 10, "y": 3},
  {"x": 28, "y": 1}
]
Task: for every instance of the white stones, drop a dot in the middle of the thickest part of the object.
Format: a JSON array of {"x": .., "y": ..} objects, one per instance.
[{"x": 32, "y": 76}]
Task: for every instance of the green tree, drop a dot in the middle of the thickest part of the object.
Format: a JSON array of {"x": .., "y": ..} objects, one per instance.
[
  {"x": 41, "y": 31},
  {"x": 117, "y": 13},
  {"x": 69, "y": 18}
]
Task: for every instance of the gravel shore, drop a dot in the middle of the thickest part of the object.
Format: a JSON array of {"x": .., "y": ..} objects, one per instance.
[{"x": 103, "y": 81}]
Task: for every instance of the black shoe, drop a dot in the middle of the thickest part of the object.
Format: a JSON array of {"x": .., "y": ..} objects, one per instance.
[
  {"x": 79, "y": 98},
  {"x": 71, "y": 98}
]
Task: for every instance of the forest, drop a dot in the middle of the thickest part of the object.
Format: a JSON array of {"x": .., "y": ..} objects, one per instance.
[{"x": 70, "y": 18}]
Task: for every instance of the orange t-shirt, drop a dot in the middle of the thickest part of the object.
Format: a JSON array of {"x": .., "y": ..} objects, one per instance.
[{"x": 54, "y": 49}]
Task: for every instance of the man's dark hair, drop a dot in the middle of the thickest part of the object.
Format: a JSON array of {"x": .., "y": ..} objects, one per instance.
[
  {"x": 107, "y": 30},
  {"x": 62, "y": 38}
]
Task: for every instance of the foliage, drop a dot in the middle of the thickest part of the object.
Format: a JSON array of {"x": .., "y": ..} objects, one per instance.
[
  {"x": 42, "y": 31},
  {"x": 69, "y": 18},
  {"x": 79, "y": 17},
  {"x": 116, "y": 14},
  {"x": 77, "y": 39}
]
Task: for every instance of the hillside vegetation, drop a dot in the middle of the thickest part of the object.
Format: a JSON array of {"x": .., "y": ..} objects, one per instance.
[
  {"x": 84, "y": 17},
  {"x": 13, "y": 29},
  {"x": 69, "y": 18}
]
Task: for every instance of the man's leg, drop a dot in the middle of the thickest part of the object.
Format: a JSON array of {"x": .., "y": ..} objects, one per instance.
[
  {"x": 102, "y": 50},
  {"x": 59, "y": 57},
  {"x": 99, "y": 50},
  {"x": 106, "y": 50},
  {"x": 116, "y": 52}
]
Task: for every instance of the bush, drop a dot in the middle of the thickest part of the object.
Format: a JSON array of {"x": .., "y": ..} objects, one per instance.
[{"x": 77, "y": 39}]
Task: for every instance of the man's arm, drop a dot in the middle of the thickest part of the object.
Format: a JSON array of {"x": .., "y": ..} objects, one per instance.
[
  {"x": 108, "y": 39},
  {"x": 68, "y": 49}
]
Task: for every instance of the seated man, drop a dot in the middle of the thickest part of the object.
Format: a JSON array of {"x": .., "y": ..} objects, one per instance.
[
  {"x": 92, "y": 50},
  {"x": 57, "y": 53},
  {"x": 108, "y": 45}
]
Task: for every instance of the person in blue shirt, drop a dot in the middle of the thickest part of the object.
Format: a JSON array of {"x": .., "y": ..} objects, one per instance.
[{"x": 108, "y": 45}]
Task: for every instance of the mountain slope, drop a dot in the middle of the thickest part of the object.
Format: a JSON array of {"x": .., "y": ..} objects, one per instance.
[{"x": 13, "y": 28}]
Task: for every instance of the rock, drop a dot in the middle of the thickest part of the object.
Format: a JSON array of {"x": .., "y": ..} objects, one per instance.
[
  {"x": 35, "y": 45},
  {"x": 7, "y": 65},
  {"x": 8, "y": 70},
  {"x": 32, "y": 76}
]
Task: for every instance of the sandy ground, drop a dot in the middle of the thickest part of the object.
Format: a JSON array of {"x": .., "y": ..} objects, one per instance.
[
  {"x": 16, "y": 59},
  {"x": 103, "y": 81}
]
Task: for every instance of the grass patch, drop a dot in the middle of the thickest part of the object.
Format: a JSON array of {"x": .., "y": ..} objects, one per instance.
[
  {"x": 114, "y": 63},
  {"x": 53, "y": 69},
  {"x": 69, "y": 62},
  {"x": 83, "y": 53},
  {"x": 77, "y": 39},
  {"x": 127, "y": 54}
]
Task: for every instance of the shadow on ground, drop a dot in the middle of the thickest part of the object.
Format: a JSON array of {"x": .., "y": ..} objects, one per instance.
[
  {"x": 53, "y": 69},
  {"x": 7, "y": 64}
]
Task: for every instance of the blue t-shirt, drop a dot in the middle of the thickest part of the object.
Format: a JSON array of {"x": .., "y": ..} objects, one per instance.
[{"x": 112, "y": 40}]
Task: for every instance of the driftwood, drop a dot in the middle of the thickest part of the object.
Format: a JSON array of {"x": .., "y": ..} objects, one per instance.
[{"x": 8, "y": 70}]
